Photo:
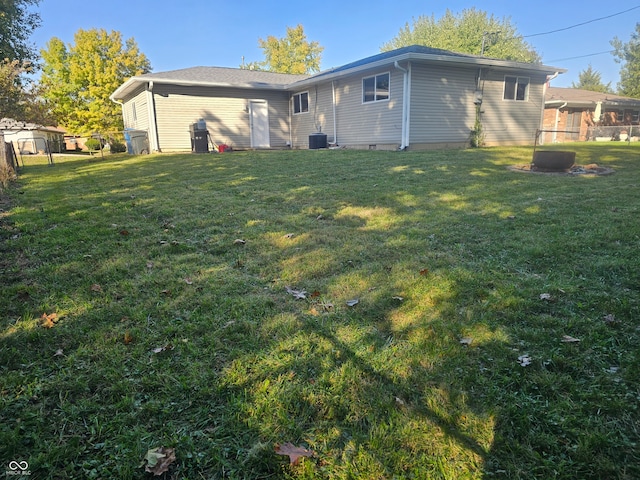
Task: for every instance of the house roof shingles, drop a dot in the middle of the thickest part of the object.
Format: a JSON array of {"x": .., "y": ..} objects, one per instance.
[
  {"x": 242, "y": 78},
  {"x": 577, "y": 97}
]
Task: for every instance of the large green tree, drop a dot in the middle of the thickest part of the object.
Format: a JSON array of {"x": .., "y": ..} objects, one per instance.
[
  {"x": 78, "y": 78},
  {"x": 628, "y": 54},
  {"x": 590, "y": 79},
  {"x": 290, "y": 54},
  {"x": 471, "y": 31},
  {"x": 17, "y": 23}
]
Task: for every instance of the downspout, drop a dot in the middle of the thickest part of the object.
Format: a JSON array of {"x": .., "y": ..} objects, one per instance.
[
  {"x": 335, "y": 127},
  {"x": 555, "y": 126},
  {"x": 544, "y": 96},
  {"x": 405, "y": 102},
  {"x": 153, "y": 126}
]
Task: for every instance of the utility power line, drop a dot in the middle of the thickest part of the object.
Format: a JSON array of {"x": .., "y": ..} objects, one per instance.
[
  {"x": 581, "y": 24},
  {"x": 580, "y": 56}
]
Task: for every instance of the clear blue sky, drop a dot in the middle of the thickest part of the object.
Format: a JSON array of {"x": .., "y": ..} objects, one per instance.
[{"x": 186, "y": 33}]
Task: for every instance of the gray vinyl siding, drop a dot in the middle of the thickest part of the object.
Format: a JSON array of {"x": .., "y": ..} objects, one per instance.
[
  {"x": 442, "y": 109},
  {"x": 319, "y": 118},
  {"x": 511, "y": 122},
  {"x": 136, "y": 112},
  {"x": 225, "y": 111},
  {"x": 372, "y": 123}
]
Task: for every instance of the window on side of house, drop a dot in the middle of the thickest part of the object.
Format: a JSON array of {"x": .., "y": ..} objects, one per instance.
[
  {"x": 620, "y": 116},
  {"x": 516, "y": 88},
  {"x": 635, "y": 116},
  {"x": 301, "y": 102},
  {"x": 376, "y": 88}
]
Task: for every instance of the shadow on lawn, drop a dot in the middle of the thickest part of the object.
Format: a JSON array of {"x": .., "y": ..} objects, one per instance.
[{"x": 380, "y": 390}]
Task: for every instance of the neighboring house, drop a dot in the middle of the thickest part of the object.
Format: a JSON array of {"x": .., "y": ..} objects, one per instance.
[
  {"x": 32, "y": 138},
  {"x": 570, "y": 112},
  {"x": 412, "y": 97}
]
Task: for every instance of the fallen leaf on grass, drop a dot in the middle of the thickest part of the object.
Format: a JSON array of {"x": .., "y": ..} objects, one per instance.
[
  {"x": 96, "y": 288},
  {"x": 158, "y": 460},
  {"x": 239, "y": 241},
  {"x": 124, "y": 233},
  {"x": 315, "y": 294},
  {"x": 424, "y": 271},
  {"x": 165, "y": 348},
  {"x": 49, "y": 321},
  {"x": 188, "y": 281},
  {"x": 297, "y": 294},
  {"x": 568, "y": 339},
  {"x": 59, "y": 353},
  {"x": 149, "y": 265},
  {"x": 610, "y": 319},
  {"x": 466, "y": 341},
  {"x": 524, "y": 360},
  {"x": 352, "y": 303},
  {"x": 289, "y": 235},
  {"x": 545, "y": 296},
  {"x": 294, "y": 453},
  {"x": 128, "y": 338}
]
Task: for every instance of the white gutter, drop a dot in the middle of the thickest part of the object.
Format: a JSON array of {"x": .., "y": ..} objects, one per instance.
[
  {"x": 153, "y": 127},
  {"x": 335, "y": 127},
  {"x": 404, "y": 143}
]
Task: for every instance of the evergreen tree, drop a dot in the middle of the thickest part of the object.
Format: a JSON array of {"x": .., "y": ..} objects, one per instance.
[
  {"x": 628, "y": 54},
  {"x": 591, "y": 80}
]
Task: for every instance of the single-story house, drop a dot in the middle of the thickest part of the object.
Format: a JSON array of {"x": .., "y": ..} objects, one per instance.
[
  {"x": 32, "y": 138},
  {"x": 412, "y": 97},
  {"x": 570, "y": 112}
]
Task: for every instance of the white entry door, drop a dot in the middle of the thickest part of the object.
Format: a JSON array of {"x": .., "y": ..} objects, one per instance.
[{"x": 259, "y": 113}]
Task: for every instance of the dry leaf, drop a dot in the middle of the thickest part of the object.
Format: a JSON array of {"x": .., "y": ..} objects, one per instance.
[
  {"x": 399, "y": 401},
  {"x": 524, "y": 360},
  {"x": 96, "y": 288},
  {"x": 289, "y": 235},
  {"x": 159, "y": 459},
  {"x": 239, "y": 241},
  {"x": 424, "y": 271},
  {"x": 315, "y": 294},
  {"x": 124, "y": 233},
  {"x": 165, "y": 348},
  {"x": 49, "y": 321},
  {"x": 568, "y": 339},
  {"x": 297, "y": 294},
  {"x": 326, "y": 306},
  {"x": 166, "y": 292},
  {"x": 149, "y": 264},
  {"x": 59, "y": 353},
  {"x": 545, "y": 296},
  {"x": 294, "y": 453},
  {"x": 466, "y": 341},
  {"x": 188, "y": 281},
  {"x": 352, "y": 303},
  {"x": 610, "y": 319},
  {"x": 398, "y": 298},
  {"x": 128, "y": 338}
]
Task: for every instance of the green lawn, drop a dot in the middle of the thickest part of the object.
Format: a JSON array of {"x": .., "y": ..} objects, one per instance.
[{"x": 496, "y": 331}]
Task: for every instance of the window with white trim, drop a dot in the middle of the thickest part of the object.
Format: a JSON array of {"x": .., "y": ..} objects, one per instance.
[
  {"x": 635, "y": 116},
  {"x": 301, "y": 102},
  {"x": 376, "y": 88},
  {"x": 516, "y": 88}
]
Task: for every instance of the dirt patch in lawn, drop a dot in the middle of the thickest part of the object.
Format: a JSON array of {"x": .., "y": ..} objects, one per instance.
[{"x": 591, "y": 169}]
